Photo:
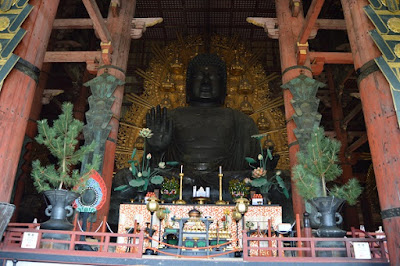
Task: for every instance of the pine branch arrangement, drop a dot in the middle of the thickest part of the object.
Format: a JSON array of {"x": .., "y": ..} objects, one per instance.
[
  {"x": 61, "y": 140},
  {"x": 318, "y": 167}
]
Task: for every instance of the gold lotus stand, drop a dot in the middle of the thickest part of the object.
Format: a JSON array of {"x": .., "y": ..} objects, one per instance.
[
  {"x": 220, "y": 201},
  {"x": 180, "y": 200}
]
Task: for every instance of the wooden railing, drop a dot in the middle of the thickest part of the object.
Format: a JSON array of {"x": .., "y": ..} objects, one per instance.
[
  {"x": 103, "y": 247},
  {"x": 286, "y": 249}
]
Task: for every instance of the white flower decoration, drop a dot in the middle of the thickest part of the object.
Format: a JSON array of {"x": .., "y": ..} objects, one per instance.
[
  {"x": 260, "y": 157},
  {"x": 247, "y": 180},
  {"x": 139, "y": 174},
  {"x": 161, "y": 165},
  {"x": 148, "y": 156},
  {"x": 146, "y": 133},
  {"x": 279, "y": 172}
]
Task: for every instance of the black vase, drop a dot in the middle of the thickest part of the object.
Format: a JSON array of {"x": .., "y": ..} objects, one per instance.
[
  {"x": 327, "y": 218},
  {"x": 59, "y": 209}
]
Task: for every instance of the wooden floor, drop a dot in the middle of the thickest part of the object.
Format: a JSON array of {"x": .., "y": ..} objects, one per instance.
[{"x": 27, "y": 259}]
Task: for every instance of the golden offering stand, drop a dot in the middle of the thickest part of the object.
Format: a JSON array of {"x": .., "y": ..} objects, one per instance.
[
  {"x": 220, "y": 201},
  {"x": 180, "y": 200},
  {"x": 201, "y": 200}
]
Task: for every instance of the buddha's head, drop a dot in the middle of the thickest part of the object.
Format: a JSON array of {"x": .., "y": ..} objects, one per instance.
[{"x": 206, "y": 80}]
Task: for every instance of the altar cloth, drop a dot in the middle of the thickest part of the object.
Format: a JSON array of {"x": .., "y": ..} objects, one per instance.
[{"x": 257, "y": 215}]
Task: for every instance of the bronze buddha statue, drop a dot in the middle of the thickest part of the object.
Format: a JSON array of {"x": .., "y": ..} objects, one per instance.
[{"x": 204, "y": 134}]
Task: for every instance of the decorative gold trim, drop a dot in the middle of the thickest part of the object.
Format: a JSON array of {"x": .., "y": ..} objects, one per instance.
[
  {"x": 397, "y": 50},
  {"x": 394, "y": 25},
  {"x": 4, "y": 23}
]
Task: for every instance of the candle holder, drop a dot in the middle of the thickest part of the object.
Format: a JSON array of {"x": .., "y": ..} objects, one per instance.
[
  {"x": 180, "y": 200},
  {"x": 220, "y": 201}
]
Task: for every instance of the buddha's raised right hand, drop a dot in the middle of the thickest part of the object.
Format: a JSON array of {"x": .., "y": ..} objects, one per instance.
[{"x": 161, "y": 128}]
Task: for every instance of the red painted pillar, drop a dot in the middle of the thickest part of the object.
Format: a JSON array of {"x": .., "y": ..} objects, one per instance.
[
  {"x": 289, "y": 29},
  {"x": 350, "y": 212},
  {"x": 30, "y": 132},
  {"x": 380, "y": 119},
  {"x": 18, "y": 91},
  {"x": 119, "y": 28}
]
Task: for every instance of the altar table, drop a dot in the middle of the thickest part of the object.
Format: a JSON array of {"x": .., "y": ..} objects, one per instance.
[{"x": 257, "y": 215}]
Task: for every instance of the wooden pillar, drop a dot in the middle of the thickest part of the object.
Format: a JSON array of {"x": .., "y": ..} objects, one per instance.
[
  {"x": 350, "y": 212},
  {"x": 81, "y": 101},
  {"x": 120, "y": 28},
  {"x": 289, "y": 29},
  {"x": 30, "y": 133},
  {"x": 380, "y": 119},
  {"x": 18, "y": 91}
]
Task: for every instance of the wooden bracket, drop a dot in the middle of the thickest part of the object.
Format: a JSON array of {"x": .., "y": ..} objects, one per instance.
[
  {"x": 271, "y": 26},
  {"x": 115, "y": 6},
  {"x": 92, "y": 66},
  {"x": 295, "y": 7},
  {"x": 302, "y": 50},
  {"x": 106, "y": 51},
  {"x": 317, "y": 66},
  {"x": 139, "y": 26}
]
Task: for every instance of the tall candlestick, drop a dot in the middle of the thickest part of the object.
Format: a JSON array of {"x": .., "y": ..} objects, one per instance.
[
  {"x": 181, "y": 168},
  {"x": 220, "y": 201},
  {"x": 181, "y": 201}
]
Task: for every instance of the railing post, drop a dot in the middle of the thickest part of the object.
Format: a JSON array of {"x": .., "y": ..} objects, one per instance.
[
  {"x": 140, "y": 246},
  {"x": 72, "y": 240},
  {"x": 348, "y": 250},
  {"x": 106, "y": 242},
  {"x": 244, "y": 245},
  {"x": 298, "y": 229},
  {"x": 312, "y": 246}
]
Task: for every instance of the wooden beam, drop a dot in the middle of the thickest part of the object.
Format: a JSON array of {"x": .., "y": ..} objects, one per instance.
[
  {"x": 357, "y": 144},
  {"x": 271, "y": 26},
  {"x": 333, "y": 57},
  {"x": 71, "y": 56},
  {"x": 310, "y": 20},
  {"x": 351, "y": 115},
  {"x": 74, "y": 23},
  {"x": 98, "y": 21},
  {"x": 331, "y": 24},
  {"x": 138, "y": 26}
]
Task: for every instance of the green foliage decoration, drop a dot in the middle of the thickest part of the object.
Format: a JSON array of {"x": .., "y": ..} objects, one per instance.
[
  {"x": 318, "y": 166},
  {"x": 238, "y": 188},
  {"x": 170, "y": 188},
  {"x": 61, "y": 140},
  {"x": 262, "y": 179}
]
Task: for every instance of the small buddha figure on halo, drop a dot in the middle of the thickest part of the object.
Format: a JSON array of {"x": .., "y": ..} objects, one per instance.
[
  {"x": 262, "y": 122},
  {"x": 245, "y": 106},
  {"x": 166, "y": 102}
]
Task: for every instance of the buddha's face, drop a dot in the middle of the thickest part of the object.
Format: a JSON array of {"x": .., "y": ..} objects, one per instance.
[{"x": 206, "y": 85}]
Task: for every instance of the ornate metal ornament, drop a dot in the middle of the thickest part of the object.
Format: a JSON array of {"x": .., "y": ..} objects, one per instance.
[
  {"x": 12, "y": 14},
  {"x": 305, "y": 105},
  {"x": 99, "y": 115},
  {"x": 164, "y": 84},
  {"x": 385, "y": 16}
]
